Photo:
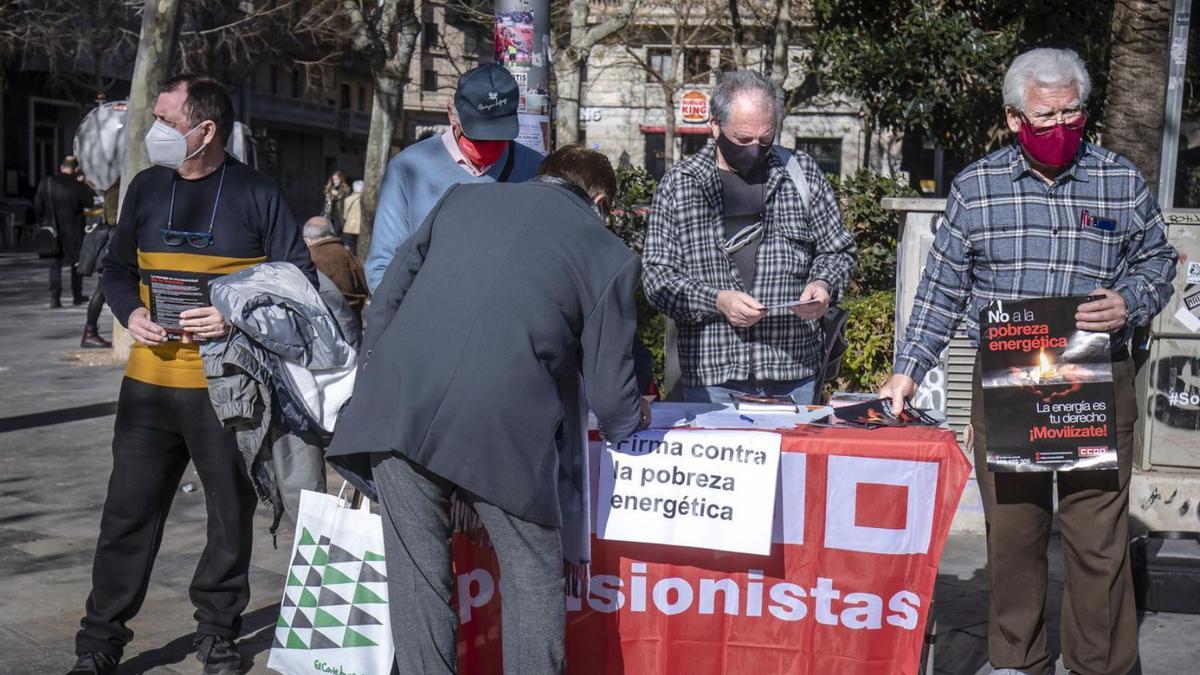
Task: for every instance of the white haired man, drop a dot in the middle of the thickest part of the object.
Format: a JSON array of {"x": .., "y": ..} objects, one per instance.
[
  {"x": 730, "y": 236},
  {"x": 1019, "y": 223}
]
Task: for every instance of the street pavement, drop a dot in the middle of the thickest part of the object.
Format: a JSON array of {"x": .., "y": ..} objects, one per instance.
[{"x": 56, "y": 414}]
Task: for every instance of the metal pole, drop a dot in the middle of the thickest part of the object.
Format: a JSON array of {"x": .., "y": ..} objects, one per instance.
[
  {"x": 1172, "y": 110},
  {"x": 522, "y": 45}
]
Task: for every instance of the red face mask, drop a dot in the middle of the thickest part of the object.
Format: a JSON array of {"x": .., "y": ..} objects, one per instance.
[
  {"x": 481, "y": 153},
  {"x": 1054, "y": 147}
]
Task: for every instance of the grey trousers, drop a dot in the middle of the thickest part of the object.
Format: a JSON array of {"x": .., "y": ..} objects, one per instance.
[{"x": 416, "y": 533}]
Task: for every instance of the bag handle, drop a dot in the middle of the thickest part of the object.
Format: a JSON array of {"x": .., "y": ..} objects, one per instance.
[{"x": 357, "y": 501}]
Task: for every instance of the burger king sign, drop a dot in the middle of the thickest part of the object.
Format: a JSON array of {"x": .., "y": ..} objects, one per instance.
[{"x": 693, "y": 107}]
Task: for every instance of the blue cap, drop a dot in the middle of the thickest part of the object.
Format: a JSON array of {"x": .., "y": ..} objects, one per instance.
[{"x": 486, "y": 102}]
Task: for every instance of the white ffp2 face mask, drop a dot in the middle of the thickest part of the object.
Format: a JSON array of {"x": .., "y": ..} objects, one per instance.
[{"x": 167, "y": 147}]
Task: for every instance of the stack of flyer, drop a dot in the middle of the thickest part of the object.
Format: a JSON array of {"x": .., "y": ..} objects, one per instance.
[
  {"x": 876, "y": 412},
  {"x": 764, "y": 404}
]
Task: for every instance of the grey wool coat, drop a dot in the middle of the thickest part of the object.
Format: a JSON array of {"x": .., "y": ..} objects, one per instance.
[{"x": 495, "y": 305}]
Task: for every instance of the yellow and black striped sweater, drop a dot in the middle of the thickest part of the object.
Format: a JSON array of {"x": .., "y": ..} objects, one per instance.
[{"x": 253, "y": 224}]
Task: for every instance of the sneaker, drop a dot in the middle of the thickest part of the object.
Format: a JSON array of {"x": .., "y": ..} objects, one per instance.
[
  {"x": 94, "y": 663},
  {"x": 80, "y": 300},
  {"x": 55, "y": 303},
  {"x": 218, "y": 655}
]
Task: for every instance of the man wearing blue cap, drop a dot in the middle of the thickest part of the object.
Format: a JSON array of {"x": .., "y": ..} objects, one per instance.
[{"x": 478, "y": 148}]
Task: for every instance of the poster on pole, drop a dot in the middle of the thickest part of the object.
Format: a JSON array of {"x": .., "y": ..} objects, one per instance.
[{"x": 1047, "y": 388}]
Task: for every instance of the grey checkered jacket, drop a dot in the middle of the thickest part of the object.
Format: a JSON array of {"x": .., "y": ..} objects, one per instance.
[{"x": 684, "y": 269}]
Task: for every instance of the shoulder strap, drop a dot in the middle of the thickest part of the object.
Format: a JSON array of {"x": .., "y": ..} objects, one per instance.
[
  {"x": 508, "y": 163},
  {"x": 795, "y": 173}
]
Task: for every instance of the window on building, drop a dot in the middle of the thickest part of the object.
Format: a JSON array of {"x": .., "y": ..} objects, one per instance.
[
  {"x": 346, "y": 96},
  {"x": 695, "y": 66},
  {"x": 297, "y": 84},
  {"x": 274, "y": 70},
  {"x": 726, "y": 61},
  {"x": 470, "y": 39},
  {"x": 429, "y": 36},
  {"x": 827, "y": 152},
  {"x": 690, "y": 144},
  {"x": 362, "y": 98},
  {"x": 429, "y": 80},
  {"x": 659, "y": 60},
  {"x": 656, "y": 160},
  {"x": 583, "y": 72}
]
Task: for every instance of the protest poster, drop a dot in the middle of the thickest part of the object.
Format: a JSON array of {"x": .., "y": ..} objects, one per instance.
[
  {"x": 706, "y": 489},
  {"x": 1047, "y": 388}
]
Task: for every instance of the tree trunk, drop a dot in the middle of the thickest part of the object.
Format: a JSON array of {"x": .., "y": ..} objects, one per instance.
[
  {"x": 737, "y": 37},
  {"x": 783, "y": 37},
  {"x": 156, "y": 49},
  {"x": 669, "y": 155},
  {"x": 385, "y": 110},
  {"x": 570, "y": 95},
  {"x": 1137, "y": 82}
]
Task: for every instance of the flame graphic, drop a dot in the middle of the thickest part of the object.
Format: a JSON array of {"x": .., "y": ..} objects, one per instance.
[{"x": 1044, "y": 370}]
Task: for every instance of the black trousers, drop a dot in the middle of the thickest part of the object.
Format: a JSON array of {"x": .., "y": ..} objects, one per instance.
[
  {"x": 158, "y": 430},
  {"x": 95, "y": 305},
  {"x": 56, "y": 265}
]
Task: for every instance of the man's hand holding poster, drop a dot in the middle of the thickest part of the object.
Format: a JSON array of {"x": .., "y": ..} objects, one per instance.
[{"x": 1047, "y": 388}]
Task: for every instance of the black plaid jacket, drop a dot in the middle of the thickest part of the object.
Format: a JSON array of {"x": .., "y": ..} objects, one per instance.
[
  {"x": 1008, "y": 235},
  {"x": 684, "y": 268}
]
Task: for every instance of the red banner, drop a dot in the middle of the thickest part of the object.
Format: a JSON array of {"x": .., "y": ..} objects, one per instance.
[{"x": 861, "y": 519}]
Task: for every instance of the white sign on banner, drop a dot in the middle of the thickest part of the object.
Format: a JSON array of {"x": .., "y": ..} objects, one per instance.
[{"x": 706, "y": 489}]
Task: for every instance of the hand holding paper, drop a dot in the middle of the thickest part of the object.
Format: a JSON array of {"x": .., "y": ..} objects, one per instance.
[{"x": 813, "y": 301}]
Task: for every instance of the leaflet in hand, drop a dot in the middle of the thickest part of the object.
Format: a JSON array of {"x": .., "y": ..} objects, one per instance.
[
  {"x": 793, "y": 303},
  {"x": 171, "y": 294}
]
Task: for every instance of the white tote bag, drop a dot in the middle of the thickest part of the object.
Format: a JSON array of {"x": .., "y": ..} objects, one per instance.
[{"x": 334, "y": 613}]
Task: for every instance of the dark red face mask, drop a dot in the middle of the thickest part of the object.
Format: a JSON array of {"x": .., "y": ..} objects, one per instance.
[
  {"x": 1052, "y": 146},
  {"x": 481, "y": 153}
]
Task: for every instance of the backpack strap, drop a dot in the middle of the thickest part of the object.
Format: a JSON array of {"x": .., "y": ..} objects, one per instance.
[
  {"x": 506, "y": 172},
  {"x": 794, "y": 173}
]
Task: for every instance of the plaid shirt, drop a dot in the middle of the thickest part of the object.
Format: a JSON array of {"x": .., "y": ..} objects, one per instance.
[
  {"x": 1007, "y": 235},
  {"x": 684, "y": 268}
]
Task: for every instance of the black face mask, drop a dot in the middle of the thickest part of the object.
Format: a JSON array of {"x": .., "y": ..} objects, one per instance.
[{"x": 744, "y": 159}]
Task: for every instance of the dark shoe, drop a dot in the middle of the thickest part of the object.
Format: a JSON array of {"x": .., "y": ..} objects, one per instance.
[
  {"x": 94, "y": 663},
  {"x": 218, "y": 655},
  {"x": 92, "y": 340},
  {"x": 55, "y": 303},
  {"x": 80, "y": 299}
]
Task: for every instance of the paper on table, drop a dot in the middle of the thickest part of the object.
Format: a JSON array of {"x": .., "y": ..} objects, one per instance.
[{"x": 674, "y": 415}]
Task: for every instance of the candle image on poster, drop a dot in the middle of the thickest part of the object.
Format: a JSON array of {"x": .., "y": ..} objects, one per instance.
[{"x": 1047, "y": 388}]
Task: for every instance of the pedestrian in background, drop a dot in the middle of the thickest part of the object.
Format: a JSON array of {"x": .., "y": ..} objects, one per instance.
[
  {"x": 335, "y": 262},
  {"x": 1013, "y": 229},
  {"x": 61, "y": 201},
  {"x": 352, "y": 214},
  {"x": 336, "y": 191},
  {"x": 478, "y": 148}
]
